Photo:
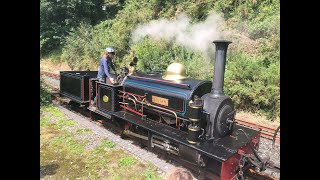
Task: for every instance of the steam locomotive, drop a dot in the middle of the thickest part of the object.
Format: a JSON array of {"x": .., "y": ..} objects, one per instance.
[{"x": 190, "y": 120}]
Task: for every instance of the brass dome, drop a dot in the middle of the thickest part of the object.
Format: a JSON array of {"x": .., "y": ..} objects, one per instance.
[{"x": 175, "y": 71}]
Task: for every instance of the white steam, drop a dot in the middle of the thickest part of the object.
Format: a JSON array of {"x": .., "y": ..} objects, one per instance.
[{"x": 197, "y": 37}]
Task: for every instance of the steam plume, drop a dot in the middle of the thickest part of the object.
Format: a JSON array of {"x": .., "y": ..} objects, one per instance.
[{"x": 197, "y": 37}]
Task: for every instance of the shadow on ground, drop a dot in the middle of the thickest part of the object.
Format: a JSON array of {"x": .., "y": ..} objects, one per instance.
[{"x": 49, "y": 169}]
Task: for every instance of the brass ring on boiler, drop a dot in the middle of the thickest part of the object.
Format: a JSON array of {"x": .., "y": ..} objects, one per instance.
[
  {"x": 194, "y": 120},
  {"x": 191, "y": 142},
  {"x": 194, "y": 129},
  {"x": 195, "y": 107}
]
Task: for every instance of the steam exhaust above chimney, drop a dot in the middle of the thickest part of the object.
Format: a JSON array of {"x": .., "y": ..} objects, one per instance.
[{"x": 219, "y": 68}]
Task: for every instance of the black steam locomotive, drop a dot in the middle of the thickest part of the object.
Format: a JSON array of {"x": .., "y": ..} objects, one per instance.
[{"x": 190, "y": 120}]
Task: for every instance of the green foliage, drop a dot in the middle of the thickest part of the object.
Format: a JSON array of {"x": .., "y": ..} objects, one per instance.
[
  {"x": 43, "y": 41},
  {"x": 80, "y": 49},
  {"x": 104, "y": 146},
  {"x": 65, "y": 122},
  {"x": 126, "y": 161},
  {"x": 150, "y": 174},
  {"x": 54, "y": 56},
  {"x": 199, "y": 67},
  {"x": 252, "y": 72},
  {"x": 153, "y": 56},
  {"x": 85, "y": 45},
  {"x": 53, "y": 111},
  {"x": 69, "y": 143},
  {"x": 45, "y": 97},
  {"x": 133, "y": 13},
  {"x": 58, "y": 18},
  {"x": 260, "y": 19},
  {"x": 254, "y": 81},
  {"x": 83, "y": 131},
  {"x": 197, "y": 10},
  {"x": 44, "y": 122},
  {"x": 107, "y": 144},
  {"x": 67, "y": 151},
  {"x": 270, "y": 49},
  {"x": 253, "y": 86}
]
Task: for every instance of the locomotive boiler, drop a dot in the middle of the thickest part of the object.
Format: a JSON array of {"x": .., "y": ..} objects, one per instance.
[{"x": 191, "y": 120}]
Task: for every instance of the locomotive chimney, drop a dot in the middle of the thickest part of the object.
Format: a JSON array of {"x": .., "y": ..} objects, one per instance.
[{"x": 219, "y": 67}]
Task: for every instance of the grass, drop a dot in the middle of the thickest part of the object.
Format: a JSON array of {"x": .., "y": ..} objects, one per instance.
[
  {"x": 126, "y": 161},
  {"x": 53, "y": 111},
  {"x": 65, "y": 122},
  {"x": 63, "y": 157},
  {"x": 68, "y": 142},
  {"x": 104, "y": 146},
  {"x": 44, "y": 122},
  {"x": 83, "y": 131},
  {"x": 149, "y": 173},
  {"x": 54, "y": 56}
]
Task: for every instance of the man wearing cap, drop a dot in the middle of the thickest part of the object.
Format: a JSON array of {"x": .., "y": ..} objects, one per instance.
[
  {"x": 105, "y": 64},
  {"x": 104, "y": 68}
]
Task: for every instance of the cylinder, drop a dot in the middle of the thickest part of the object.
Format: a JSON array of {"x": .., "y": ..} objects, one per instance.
[
  {"x": 193, "y": 134},
  {"x": 195, "y": 111}
]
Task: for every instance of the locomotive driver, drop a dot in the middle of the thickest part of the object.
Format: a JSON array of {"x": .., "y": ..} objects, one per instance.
[
  {"x": 105, "y": 64},
  {"x": 104, "y": 68}
]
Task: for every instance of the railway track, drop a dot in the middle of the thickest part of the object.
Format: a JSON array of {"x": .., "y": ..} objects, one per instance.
[
  {"x": 50, "y": 74},
  {"x": 266, "y": 131}
]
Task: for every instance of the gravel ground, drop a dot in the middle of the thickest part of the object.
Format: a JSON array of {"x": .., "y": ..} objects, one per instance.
[
  {"x": 50, "y": 81},
  {"x": 265, "y": 151},
  {"x": 265, "y": 145}
]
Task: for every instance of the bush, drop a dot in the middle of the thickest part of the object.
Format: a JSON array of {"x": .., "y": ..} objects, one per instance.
[
  {"x": 80, "y": 51},
  {"x": 252, "y": 86},
  {"x": 45, "y": 97}
]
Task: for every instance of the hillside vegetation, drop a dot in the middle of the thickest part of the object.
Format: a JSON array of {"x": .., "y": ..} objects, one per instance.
[{"x": 76, "y": 32}]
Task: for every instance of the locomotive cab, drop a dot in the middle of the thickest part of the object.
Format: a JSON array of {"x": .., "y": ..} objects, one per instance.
[{"x": 108, "y": 97}]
